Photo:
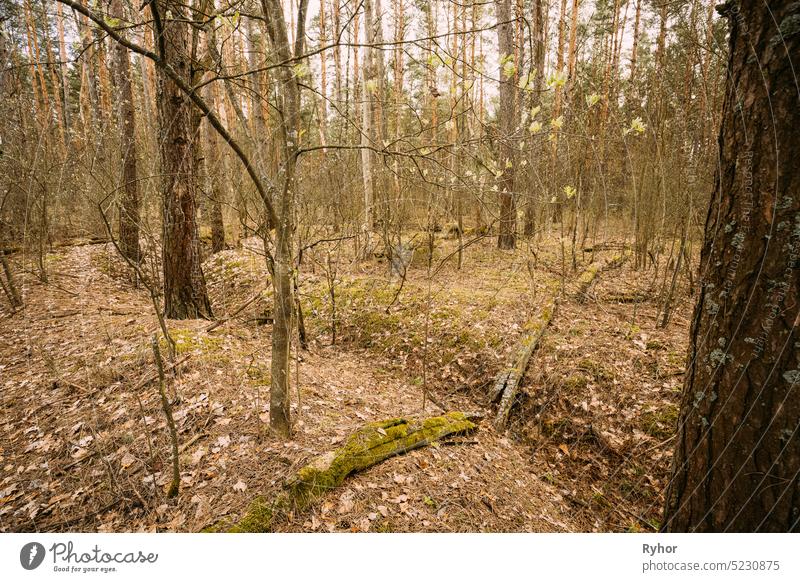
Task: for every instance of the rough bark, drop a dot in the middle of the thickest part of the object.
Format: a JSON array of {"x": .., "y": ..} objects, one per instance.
[
  {"x": 737, "y": 456},
  {"x": 185, "y": 295},
  {"x": 368, "y": 129},
  {"x": 537, "y": 64},
  {"x": 9, "y": 285},
  {"x": 215, "y": 168},
  {"x": 590, "y": 274}
]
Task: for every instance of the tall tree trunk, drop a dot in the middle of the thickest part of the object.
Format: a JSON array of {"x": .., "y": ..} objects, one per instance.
[
  {"x": 215, "y": 168},
  {"x": 737, "y": 457},
  {"x": 93, "y": 118},
  {"x": 323, "y": 102},
  {"x": 289, "y": 104},
  {"x": 368, "y": 130},
  {"x": 337, "y": 53},
  {"x": 56, "y": 78},
  {"x": 62, "y": 57},
  {"x": 538, "y": 21},
  {"x": 129, "y": 203},
  {"x": 635, "y": 47},
  {"x": 572, "y": 53},
  {"x": 399, "y": 36},
  {"x": 185, "y": 294},
  {"x": 506, "y": 118}
]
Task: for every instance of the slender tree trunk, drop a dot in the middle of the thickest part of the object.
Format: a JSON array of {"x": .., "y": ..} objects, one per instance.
[
  {"x": 55, "y": 79},
  {"x": 737, "y": 457},
  {"x": 368, "y": 94},
  {"x": 323, "y": 105},
  {"x": 635, "y": 46},
  {"x": 506, "y": 117},
  {"x": 572, "y": 56},
  {"x": 129, "y": 203},
  {"x": 215, "y": 169},
  {"x": 289, "y": 103},
  {"x": 337, "y": 52},
  {"x": 399, "y": 35},
  {"x": 62, "y": 57},
  {"x": 93, "y": 118},
  {"x": 537, "y": 64}
]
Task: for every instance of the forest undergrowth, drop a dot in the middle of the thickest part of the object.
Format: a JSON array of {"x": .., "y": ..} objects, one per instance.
[{"x": 587, "y": 447}]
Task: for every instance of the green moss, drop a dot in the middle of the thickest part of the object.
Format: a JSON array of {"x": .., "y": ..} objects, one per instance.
[
  {"x": 576, "y": 382},
  {"x": 371, "y": 444},
  {"x": 676, "y": 358},
  {"x": 599, "y": 372},
  {"x": 101, "y": 262},
  {"x": 552, "y": 428},
  {"x": 421, "y": 254},
  {"x": 654, "y": 344},
  {"x": 660, "y": 423},
  {"x": 375, "y": 442},
  {"x": 588, "y": 275},
  {"x": 53, "y": 259},
  {"x": 189, "y": 341},
  {"x": 259, "y": 516},
  {"x": 259, "y": 375}
]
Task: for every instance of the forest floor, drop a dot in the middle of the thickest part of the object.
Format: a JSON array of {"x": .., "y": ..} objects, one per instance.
[{"x": 588, "y": 445}]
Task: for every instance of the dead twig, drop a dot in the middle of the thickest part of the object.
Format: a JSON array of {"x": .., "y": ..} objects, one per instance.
[
  {"x": 80, "y": 518},
  {"x": 236, "y": 312},
  {"x": 154, "y": 376}
]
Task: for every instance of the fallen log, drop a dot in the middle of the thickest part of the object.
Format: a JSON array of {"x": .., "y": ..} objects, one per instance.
[
  {"x": 74, "y": 242},
  {"x": 370, "y": 445},
  {"x": 507, "y": 382},
  {"x": 585, "y": 281},
  {"x": 627, "y": 297},
  {"x": 608, "y": 246},
  {"x": 588, "y": 276}
]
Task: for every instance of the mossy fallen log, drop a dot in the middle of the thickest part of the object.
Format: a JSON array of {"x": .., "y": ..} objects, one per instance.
[
  {"x": 588, "y": 276},
  {"x": 585, "y": 281},
  {"x": 370, "y": 445},
  {"x": 507, "y": 382}
]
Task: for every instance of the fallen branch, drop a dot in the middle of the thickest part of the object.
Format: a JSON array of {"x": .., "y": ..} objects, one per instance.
[
  {"x": 236, "y": 312},
  {"x": 191, "y": 441},
  {"x": 82, "y": 517},
  {"x": 82, "y": 242},
  {"x": 627, "y": 297},
  {"x": 120, "y": 311},
  {"x": 154, "y": 376},
  {"x": 370, "y": 445},
  {"x": 60, "y": 314}
]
